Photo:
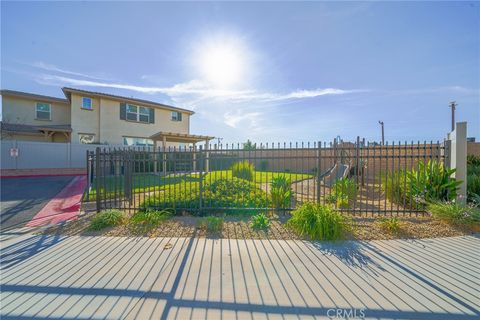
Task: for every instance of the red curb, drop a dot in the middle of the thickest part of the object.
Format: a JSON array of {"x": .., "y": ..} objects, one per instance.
[{"x": 64, "y": 206}]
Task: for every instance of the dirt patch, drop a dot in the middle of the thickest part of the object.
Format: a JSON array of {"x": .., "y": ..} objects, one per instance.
[
  {"x": 239, "y": 227},
  {"x": 415, "y": 227}
]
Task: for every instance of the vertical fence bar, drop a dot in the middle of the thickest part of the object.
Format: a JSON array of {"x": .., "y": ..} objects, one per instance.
[
  {"x": 97, "y": 182},
  {"x": 319, "y": 160},
  {"x": 200, "y": 182}
]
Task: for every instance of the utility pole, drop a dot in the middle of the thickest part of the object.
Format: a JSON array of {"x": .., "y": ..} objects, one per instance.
[
  {"x": 453, "y": 105},
  {"x": 383, "y": 132}
]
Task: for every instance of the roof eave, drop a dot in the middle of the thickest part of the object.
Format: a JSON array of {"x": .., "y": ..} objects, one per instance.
[{"x": 67, "y": 91}]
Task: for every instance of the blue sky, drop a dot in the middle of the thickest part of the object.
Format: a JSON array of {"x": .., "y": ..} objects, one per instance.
[{"x": 269, "y": 71}]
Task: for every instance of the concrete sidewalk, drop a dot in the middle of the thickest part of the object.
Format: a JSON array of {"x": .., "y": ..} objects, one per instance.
[{"x": 49, "y": 277}]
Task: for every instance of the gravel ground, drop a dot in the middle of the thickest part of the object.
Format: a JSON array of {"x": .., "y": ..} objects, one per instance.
[{"x": 238, "y": 227}]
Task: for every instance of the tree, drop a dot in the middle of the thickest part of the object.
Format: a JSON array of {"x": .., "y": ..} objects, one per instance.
[{"x": 249, "y": 145}]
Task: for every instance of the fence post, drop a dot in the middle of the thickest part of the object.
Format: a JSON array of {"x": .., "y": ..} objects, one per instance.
[
  {"x": 15, "y": 145},
  {"x": 319, "y": 152},
  {"x": 207, "y": 157},
  {"x": 458, "y": 158},
  {"x": 97, "y": 180},
  {"x": 357, "y": 160},
  {"x": 69, "y": 154},
  {"x": 89, "y": 180},
  {"x": 200, "y": 183}
]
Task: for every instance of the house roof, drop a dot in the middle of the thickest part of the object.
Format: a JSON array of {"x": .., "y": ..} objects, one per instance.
[
  {"x": 34, "y": 96},
  {"x": 67, "y": 91},
  {"x": 31, "y": 129}
]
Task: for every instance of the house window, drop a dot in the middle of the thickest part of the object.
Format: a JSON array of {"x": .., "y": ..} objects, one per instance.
[
  {"x": 139, "y": 142},
  {"x": 140, "y": 114},
  {"x": 176, "y": 116},
  {"x": 132, "y": 112},
  {"x": 43, "y": 111},
  {"x": 87, "y": 103},
  {"x": 144, "y": 114},
  {"x": 86, "y": 138}
]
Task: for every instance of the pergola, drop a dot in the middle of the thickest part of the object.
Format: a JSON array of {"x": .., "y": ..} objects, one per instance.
[
  {"x": 49, "y": 131},
  {"x": 165, "y": 137}
]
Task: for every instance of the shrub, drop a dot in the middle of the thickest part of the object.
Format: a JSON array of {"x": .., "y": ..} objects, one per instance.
[
  {"x": 281, "y": 192},
  {"x": 318, "y": 222},
  {"x": 473, "y": 179},
  {"x": 219, "y": 193},
  {"x": 474, "y": 199},
  {"x": 343, "y": 192},
  {"x": 390, "y": 224},
  {"x": 260, "y": 222},
  {"x": 150, "y": 217},
  {"x": 473, "y": 186},
  {"x": 431, "y": 182},
  {"x": 473, "y": 160},
  {"x": 211, "y": 224},
  {"x": 106, "y": 218},
  {"x": 243, "y": 170},
  {"x": 234, "y": 193},
  {"x": 454, "y": 212}
]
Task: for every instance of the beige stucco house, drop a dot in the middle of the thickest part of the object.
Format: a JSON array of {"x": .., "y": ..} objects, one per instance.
[{"x": 93, "y": 117}]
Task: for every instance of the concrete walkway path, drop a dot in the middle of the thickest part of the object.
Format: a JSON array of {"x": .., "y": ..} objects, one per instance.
[{"x": 53, "y": 277}]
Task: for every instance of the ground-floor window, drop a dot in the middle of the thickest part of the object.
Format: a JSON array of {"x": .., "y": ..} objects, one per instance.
[{"x": 140, "y": 142}]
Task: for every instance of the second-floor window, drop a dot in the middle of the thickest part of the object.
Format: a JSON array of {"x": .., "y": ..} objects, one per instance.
[
  {"x": 87, "y": 103},
  {"x": 136, "y": 113},
  {"x": 131, "y": 112},
  {"x": 43, "y": 111},
  {"x": 176, "y": 116}
]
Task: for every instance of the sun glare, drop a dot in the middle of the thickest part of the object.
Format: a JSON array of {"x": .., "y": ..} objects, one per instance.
[{"x": 221, "y": 63}]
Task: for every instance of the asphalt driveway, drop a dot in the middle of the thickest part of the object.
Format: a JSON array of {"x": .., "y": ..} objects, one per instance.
[{"x": 23, "y": 198}]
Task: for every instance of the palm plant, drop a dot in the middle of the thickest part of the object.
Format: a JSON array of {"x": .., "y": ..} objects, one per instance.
[
  {"x": 281, "y": 192},
  {"x": 430, "y": 182}
]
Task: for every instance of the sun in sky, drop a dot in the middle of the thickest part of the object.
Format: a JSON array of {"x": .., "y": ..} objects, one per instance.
[{"x": 221, "y": 61}]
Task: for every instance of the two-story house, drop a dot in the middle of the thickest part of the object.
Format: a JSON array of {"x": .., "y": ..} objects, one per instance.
[{"x": 93, "y": 117}]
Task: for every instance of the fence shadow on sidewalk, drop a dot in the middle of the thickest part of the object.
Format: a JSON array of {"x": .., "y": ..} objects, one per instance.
[{"x": 186, "y": 278}]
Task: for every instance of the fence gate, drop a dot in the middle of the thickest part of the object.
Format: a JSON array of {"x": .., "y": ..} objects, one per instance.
[{"x": 357, "y": 177}]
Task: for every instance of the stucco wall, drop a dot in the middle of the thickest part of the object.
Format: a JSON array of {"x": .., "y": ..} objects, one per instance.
[
  {"x": 473, "y": 148},
  {"x": 23, "y": 111},
  {"x": 112, "y": 129},
  {"x": 84, "y": 121}
]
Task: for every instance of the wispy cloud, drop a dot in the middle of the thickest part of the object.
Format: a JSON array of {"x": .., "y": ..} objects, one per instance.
[
  {"x": 198, "y": 89},
  {"x": 450, "y": 89},
  {"x": 234, "y": 119},
  {"x": 252, "y": 112},
  {"x": 53, "y": 68}
]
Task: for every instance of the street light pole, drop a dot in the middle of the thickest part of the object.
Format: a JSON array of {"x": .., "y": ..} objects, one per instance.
[
  {"x": 383, "y": 132},
  {"x": 453, "y": 105}
]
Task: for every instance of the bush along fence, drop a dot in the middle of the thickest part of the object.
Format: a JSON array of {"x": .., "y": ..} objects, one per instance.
[{"x": 396, "y": 178}]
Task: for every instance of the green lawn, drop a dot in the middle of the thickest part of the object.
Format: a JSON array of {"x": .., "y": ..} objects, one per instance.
[{"x": 149, "y": 182}]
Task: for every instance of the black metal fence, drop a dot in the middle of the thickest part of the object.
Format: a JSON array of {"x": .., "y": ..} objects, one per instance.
[{"x": 353, "y": 177}]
